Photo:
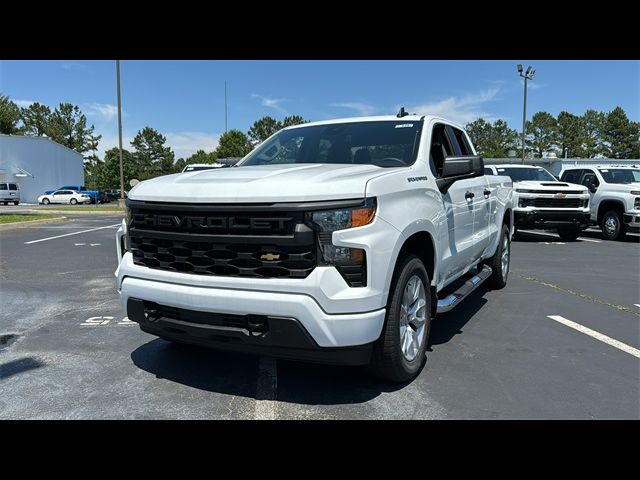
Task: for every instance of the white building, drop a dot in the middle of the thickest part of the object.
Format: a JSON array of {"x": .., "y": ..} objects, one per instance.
[{"x": 38, "y": 164}]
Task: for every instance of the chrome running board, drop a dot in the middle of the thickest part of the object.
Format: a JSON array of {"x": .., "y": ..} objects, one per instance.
[{"x": 452, "y": 300}]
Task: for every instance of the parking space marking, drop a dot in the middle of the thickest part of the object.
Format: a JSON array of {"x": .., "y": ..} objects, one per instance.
[
  {"x": 556, "y": 236},
  {"x": 72, "y": 233},
  {"x": 95, "y": 321},
  {"x": 597, "y": 335},
  {"x": 79, "y": 244},
  {"x": 266, "y": 389},
  {"x": 637, "y": 305}
]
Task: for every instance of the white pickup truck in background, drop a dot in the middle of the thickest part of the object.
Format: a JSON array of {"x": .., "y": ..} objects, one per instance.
[
  {"x": 615, "y": 196},
  {"x": 334, "y": 241},
  {"x": 542, "y": 202}
]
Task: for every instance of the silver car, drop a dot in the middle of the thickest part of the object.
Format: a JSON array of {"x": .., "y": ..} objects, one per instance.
[{"x": 9, "y": 192}]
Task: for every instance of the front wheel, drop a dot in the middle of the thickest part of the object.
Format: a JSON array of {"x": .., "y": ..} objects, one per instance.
[
  {"x": 569, "y": 234},
  {"x": 73, "y": 201},
  {"x": 16, "y": 203},
  {"x": 399, "y": 354},
  {"x": 501, "y": 261},
  {"x": 46, "y": 201},
  {"x": 612, "y": 226}
]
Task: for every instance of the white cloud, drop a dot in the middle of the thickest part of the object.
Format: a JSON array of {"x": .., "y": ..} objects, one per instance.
[
  {"x": 271, "y": 102},
  {"x": 361, "y": 108},
  {"x": 460, "y": 109},
  {"x": 185, "y": 144},
  {"x": 532, "y": 85},
  {"x": 102, "y": 111},
  {"x": 23, "y": 103}
]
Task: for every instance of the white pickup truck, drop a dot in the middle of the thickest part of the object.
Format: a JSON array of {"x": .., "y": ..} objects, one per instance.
[
  {"x": 335, "y": 241},
  {"x": 542, "y": 202},
  {"x": 615, "y": 196}
]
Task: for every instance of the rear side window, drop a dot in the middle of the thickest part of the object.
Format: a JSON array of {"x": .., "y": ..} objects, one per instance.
[
  {"x": 13, "y": 186},
  {"x": 3, "y": 186}
]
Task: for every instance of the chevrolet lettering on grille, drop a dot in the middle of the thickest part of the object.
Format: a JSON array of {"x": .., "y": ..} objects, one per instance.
[{"x": 219, "y": 224}]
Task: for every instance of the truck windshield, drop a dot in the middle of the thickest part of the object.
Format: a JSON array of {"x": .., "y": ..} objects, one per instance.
[
  {"x": 537, "y": 174},
  {"x": 383, "y": 143},
  {"x": 620, "y": 175}
]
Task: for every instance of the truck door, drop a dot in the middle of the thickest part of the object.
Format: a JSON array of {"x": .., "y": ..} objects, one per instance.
[
  {"x": 481, "y": 200},
  {"x": 456, "y": 239}
]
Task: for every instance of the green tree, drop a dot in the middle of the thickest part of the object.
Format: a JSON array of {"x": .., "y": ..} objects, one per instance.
[
  {"x": 233, "y": 143},
  {"x": 570, "y": 134},
  {"x": 9, "y": 116},
  {"x": 68, "y": 126},
  {"x": 292, "y": 120},
  {"x": 151, "y": 155},
  {"x": 542, "y": 133},
  {"x": 107, "y": 172},
  {"x": 592, "y": 123},
  {"x": 492, "y": 140},
  {"x": 621, "y": 136},
  {"x": 36, "y": 118},
  {"x": 263, "y": 129}
]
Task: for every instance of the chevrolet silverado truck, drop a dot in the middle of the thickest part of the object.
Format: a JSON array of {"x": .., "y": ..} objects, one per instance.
[
  {"x": 615, "y": 196},
  {"x": 542, "y": 202},
  {"x": 334, "y": 242}
]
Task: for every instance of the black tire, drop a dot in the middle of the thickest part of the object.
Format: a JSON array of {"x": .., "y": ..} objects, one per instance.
[
  {"x": 388, "y": 362},
  {"x": 568, "y": 234},
  {"x": 16, "y": 203},
  {"x": 498, "y": 278},
  {"x": 5, "y": 203},
  {"x": 612, "y": 226},
  {"x": 46, "y": 201},
  {"x": 73, "y": 201}
]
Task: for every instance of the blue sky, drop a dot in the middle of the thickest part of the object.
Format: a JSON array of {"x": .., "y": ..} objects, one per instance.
[{"x": 184, "y": 100}]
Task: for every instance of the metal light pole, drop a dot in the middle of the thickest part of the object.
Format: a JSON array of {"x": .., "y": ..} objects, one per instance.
[
  {"x": 225, "y": 106},
  {"x": 528, "y": 75},
  {"x": 121, "y": 199}
]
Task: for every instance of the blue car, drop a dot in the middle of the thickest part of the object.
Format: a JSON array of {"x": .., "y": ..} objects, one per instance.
[{"x": 78, "y": 188}]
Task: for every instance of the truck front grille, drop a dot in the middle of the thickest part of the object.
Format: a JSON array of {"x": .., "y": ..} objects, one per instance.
[
  {"x": 552, "y": 202},
  {"x": 232, "y": 241}
]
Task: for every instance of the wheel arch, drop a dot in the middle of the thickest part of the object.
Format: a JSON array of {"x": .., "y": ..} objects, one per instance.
[{"x": 609, "y": 204}]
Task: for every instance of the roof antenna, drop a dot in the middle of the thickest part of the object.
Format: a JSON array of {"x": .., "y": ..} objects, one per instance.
[{"x": 402, "y": 113}]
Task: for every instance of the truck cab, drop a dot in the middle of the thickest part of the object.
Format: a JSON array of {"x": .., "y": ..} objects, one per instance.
[
  {"x": 615, "y": 196},
  {"x": 334, "y": 241}
]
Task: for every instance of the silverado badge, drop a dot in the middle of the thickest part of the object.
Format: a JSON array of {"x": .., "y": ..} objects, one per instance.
[{"x": 269, "y": 257}]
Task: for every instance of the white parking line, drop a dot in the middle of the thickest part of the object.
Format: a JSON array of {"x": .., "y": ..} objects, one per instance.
[
  {"x": 69, "y": 234},
  {"x": 597, "y": 335},
  {"x": 637, "y": 305}
]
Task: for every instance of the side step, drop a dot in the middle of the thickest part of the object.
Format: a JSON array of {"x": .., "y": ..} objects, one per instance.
[{"x": 452, "y": 300}]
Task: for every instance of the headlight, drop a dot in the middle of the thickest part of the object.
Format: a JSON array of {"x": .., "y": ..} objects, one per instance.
[
  {"x": 635, "y": 192},
  {"x": 350, "y": 262},
  {"x": 636, "y": 204}
]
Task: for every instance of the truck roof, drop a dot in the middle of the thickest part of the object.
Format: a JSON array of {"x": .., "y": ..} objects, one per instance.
[{"x": 377, "y": 118}]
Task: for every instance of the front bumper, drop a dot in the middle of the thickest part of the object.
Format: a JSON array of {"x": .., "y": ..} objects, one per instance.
[
  {"x": 632, "y": 221},
  {"x": 536, "y": 218}
]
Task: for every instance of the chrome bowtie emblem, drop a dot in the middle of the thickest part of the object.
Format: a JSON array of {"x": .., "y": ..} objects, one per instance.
[
  {"x": 269, "y": 257},
  {"x": 560, "y": 195}
]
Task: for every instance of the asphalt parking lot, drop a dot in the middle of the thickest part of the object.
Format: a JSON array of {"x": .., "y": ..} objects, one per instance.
[{"x": 559, "y": 342}]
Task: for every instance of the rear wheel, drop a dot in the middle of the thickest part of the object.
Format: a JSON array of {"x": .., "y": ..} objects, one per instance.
[
  {"x": 500, "y": 261},
  {"x": 568, "y": 234},
  {"x": 612, "y": 226},
  {"x": 399, "y": 354},
  {"x": 73, "y": 201}
]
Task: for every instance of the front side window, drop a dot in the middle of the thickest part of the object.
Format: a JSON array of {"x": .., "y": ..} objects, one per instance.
[
  {"x": 440, "y": 149},
  {"x": 537, "y": 174},
  {"x": 571, "y": 176},
  {"x": 589, "y": 179},
  {"x": 620, "y": 175},
  {"x": 384, "y": 144},
  {"x": 13, "y": 186},
  {"x": 3, "y": 186}
]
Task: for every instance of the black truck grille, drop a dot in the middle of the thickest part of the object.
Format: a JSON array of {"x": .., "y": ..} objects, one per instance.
[
  {"x": 556, "y": 202},
  {"x": 221, "y": 241}
]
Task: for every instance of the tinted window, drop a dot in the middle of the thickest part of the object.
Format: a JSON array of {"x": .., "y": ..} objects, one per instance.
[
  {"x": 385, "y": 144},
  {"x": 13, "y": 186},
  {"x": 589, "y": 178},
  {"x": 488, "y": 171},
  {"x": 439, "y": 150},
  {"x": 571, "y": 176},
  {"x": 537, "y": 174},
  {"x": 3, "y": 186},
  {"x": 620, "y": 175},
  {"x": 465, "y": 148}
]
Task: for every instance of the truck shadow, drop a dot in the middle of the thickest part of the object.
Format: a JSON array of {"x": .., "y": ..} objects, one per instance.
[{"x": 297, "y": 383}]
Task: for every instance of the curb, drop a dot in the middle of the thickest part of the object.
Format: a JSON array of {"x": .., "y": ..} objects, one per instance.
[
  {"x": 26, "y": 223},
  {"x": 79, "y": 212}
]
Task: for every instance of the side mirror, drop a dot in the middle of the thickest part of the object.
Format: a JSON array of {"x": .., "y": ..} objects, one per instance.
[
  {"x": 459, "y": 168},
  {"x": 593, "y": 188}
]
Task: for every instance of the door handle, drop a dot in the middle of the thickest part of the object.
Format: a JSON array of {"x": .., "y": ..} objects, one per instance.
[
  {"x": 469, "y": 195},
  {"x": 487, "y": 193}
]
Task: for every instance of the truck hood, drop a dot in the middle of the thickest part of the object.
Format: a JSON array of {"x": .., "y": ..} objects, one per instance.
[
  {"x": 256, "y": 184},
  {"x": 551, "y": 186}
]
